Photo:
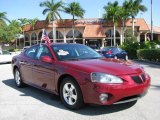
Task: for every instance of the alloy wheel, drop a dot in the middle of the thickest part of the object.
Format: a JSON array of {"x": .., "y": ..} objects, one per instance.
[
  {"x": 70, "y": 93},
  {"x": 17, "y": 78}
]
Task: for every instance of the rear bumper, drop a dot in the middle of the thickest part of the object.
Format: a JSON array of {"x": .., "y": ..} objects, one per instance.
[
  {"x": 109, "y": 55},
  {"x": 121, "y": 93}
]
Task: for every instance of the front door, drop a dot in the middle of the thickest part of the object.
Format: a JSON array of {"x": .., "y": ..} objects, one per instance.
[{"x": 44, "y": 73}]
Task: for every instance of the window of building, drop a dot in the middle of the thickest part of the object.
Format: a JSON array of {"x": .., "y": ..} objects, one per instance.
[
  {"x": 59, "y": 36},
  {"x": 33, "y": 38},
  {"x": 27, "y": 39},
  {"x": 110, "y": 38},
  {"x": 77, "y": 36}
]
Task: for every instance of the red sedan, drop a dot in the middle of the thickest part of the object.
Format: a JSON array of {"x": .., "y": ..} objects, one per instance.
[{"x": 79, "y": 75}]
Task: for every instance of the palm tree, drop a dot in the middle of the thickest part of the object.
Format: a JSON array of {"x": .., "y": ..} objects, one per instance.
[
  {"x": 16, "y": 30},
  {"x": 23, "y": 21},
  {"x": 75, "y": 10},
  {"x": 33, "y": 23},
  {"x": 3, "y": 17},
  {"x": 124, "y": 16},
  {"x": 112, "y": 12},
  {"x": 52, "y": 10},
  {"x": 134, "y": 7}
]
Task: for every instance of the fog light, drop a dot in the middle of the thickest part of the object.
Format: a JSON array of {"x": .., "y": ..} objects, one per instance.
[{"x": 103, "y": 97}]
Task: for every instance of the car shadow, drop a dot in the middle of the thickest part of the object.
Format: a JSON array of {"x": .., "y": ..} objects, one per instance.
[{"x": 53, "y": 100}]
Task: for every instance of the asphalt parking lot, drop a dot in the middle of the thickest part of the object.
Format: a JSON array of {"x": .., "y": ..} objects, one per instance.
[{"x": 29, "y": 103}]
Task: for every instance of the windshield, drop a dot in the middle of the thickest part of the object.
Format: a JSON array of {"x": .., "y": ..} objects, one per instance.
[{"x": 74, "y": 52}]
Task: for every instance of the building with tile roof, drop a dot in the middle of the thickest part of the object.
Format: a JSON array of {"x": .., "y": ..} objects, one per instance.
[{"x": 88, "y": 31}]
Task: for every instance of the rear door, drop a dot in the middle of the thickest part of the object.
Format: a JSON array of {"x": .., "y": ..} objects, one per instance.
[{"x": 26, "y": 64}]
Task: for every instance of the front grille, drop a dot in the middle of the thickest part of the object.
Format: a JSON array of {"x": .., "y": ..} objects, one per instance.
[
  {"x": 139, "y": 79},
  {"x": 143, "y": 77}
]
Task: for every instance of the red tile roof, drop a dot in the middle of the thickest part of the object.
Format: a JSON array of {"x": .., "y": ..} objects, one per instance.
[
  {"x": 155, "y": 29},
  {"x": 92, "y": 31},
  {"x": 91, "y": 24},
  {"x": 38, "y": 25},
  {"x": 139, "y": 22}
]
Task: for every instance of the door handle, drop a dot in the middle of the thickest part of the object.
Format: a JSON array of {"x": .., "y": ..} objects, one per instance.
[{"x": 22, "y": 62}]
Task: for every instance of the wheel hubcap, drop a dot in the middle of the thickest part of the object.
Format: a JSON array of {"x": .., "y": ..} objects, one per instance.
[
  {"x": 17, "y": 77},
  {"x": 69, "y": 93},
  {"x": 126, "y": 57}
]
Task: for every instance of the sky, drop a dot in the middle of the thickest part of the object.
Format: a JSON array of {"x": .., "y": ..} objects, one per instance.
[{"x": 30, "y": 9}]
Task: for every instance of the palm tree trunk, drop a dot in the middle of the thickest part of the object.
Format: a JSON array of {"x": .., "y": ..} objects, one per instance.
[
  {"x": 73, "y": 29},
  {"x": 114, "y": 30},
  {"x": 124, "y": 26},
  {"x": 133, "y": 25},
  {"x": 54, "y": 37},
  {"x": 24, "y": 39}
]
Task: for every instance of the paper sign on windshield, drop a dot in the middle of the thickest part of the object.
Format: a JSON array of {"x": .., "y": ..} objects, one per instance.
[{"x": 63, "y": 53}]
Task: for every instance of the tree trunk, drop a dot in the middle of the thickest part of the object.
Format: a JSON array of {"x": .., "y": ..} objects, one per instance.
[
  {"x": 133, "y": 25},
  {"x": 124, "y": 26},
  {"x": 114, "y": 32},
  {"x": 73, "y": 29},
  {"x": 54, "y": 32},
  {"x": 23, "y": 39}
]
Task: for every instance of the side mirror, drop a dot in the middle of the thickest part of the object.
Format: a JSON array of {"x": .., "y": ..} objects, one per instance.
[{"x": 46, "y": 59}]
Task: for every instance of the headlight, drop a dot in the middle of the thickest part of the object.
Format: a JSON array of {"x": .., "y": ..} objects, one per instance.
[{"x": 105, "y": 78}]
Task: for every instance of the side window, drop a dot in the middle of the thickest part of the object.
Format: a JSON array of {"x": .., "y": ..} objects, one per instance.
[
  {"x": 43, "y": 51},
  {"x": 31, "y": 52}
]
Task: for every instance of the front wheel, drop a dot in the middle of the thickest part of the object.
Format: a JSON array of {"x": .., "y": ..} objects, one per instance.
[
  {"x": 17, "y": 78},
  {"x": 70, "y": 93}
]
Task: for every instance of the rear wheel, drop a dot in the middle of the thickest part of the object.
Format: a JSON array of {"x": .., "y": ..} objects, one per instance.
[
  {"x": 126, "y": 57},
  {"x": 115, "y": 57},
  {"x": 70, "y": 93},
  {"x": 17, "y": 78}
]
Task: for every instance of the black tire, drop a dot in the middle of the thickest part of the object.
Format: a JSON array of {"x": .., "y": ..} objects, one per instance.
[
  {"x": 68, "y": 96},
  {"x": 17, "y": 78}
]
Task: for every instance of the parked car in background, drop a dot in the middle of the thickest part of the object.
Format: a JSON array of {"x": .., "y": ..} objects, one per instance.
[
  {"x": 79, "y": 75},
  {"x": 114, "y": 52},
  {"x": 95, "y": 47},
  {"x": 6, "y": 57},
  {"x": 24, "y": 48}
]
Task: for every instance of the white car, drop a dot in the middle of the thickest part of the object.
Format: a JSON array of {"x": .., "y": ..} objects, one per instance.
[{"x": 5, "y": 57}]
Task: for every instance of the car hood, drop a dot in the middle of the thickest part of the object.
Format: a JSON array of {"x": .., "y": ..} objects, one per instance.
[{"x": 109, "y": 66}]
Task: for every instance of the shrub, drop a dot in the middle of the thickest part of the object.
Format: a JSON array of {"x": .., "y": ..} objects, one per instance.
[
  {"x": 131, "y": 49},
  {"x": 14, "y": 50},
  {"x": 131, "y": 46},
  {"x": 149, "y": 54}
]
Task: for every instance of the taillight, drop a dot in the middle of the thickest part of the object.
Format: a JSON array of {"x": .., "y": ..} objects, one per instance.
[{"x": 109, "y": 52}]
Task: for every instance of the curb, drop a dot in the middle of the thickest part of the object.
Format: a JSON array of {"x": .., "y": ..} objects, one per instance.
[{"x": 147, "y": 61}]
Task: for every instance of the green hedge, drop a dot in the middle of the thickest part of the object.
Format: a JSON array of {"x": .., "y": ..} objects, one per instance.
[{"x": 149, "y": 54}]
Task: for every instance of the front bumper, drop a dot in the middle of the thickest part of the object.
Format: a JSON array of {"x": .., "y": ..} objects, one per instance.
[{"x": 119, "y": 93}]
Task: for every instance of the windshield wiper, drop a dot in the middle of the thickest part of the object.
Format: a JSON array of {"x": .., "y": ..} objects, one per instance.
[
  {"x": 74, "y": 59},
  {"x": 93, "y": 58}
]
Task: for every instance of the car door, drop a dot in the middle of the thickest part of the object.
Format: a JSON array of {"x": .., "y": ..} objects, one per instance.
[
  {"x": 26, "y": 64},
  {"x": 44, "y": 73}
]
